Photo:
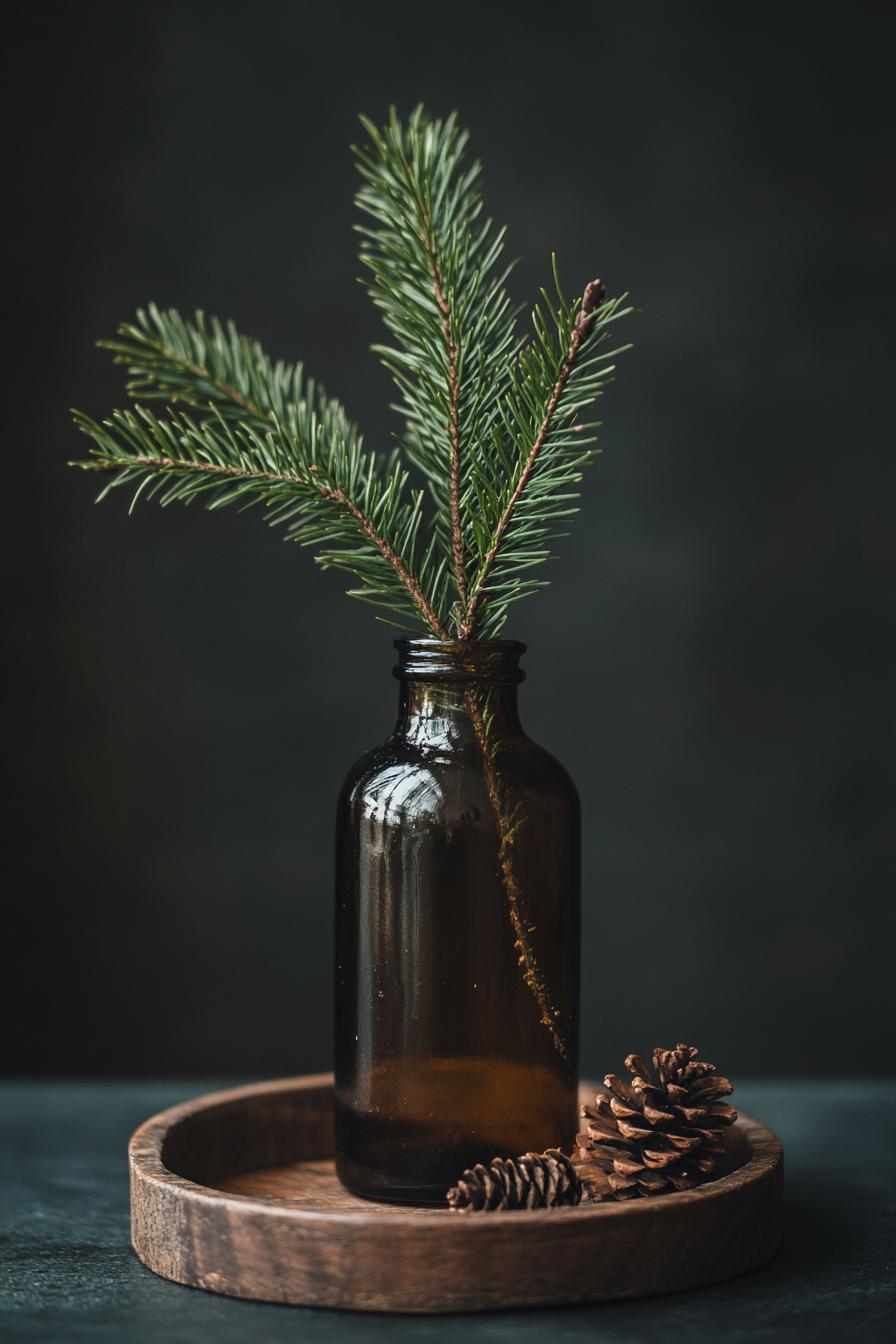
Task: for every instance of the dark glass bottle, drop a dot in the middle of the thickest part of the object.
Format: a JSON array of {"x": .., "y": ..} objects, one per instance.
[{"x": 457, "y": 933}]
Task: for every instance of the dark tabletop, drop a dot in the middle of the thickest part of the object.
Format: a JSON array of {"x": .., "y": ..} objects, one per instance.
[{"x": 67, "y": 1272}]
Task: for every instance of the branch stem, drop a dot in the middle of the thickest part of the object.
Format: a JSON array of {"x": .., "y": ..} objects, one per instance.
[
  {"x": 199, "y": 372},
  {"x": 457, "y": 535},
  {"x": 532, "y": 973}
]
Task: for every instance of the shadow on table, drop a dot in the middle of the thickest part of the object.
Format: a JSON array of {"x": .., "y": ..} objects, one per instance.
[{"x": 829, "y": 1278}]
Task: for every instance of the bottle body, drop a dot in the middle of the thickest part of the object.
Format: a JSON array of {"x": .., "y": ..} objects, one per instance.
[{"x": 457, "y": 935}]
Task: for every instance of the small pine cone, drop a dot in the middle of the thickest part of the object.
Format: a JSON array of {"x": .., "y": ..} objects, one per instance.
[
  {"x": 663, "y": 1131},
  {"x": 534, "y": 1181}
]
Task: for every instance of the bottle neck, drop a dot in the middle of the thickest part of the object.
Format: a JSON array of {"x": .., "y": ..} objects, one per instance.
[{"x": 448, "y": 689}]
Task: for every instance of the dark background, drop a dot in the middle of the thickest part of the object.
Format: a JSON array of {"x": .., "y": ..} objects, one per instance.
[{"x": 713, "y": 661}]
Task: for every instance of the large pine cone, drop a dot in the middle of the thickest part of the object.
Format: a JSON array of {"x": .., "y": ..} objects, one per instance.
[
  {"x": 534, "y": 1181},
  {"x": 663, "y": 1130}
]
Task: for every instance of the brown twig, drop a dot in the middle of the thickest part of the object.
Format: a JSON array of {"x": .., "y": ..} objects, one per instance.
[
  {"x": 591, "y": 301},
  {"x": 407, "y": 578},
  {"x": 533, "y": 975}
]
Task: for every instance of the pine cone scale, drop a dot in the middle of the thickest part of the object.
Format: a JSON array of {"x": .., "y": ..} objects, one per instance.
[
  {"x": 630, "y": 1131},
  {"x": 657, "y": 1117},
  {"x": 627, "y": 1166},
  {"x": 683, "y": 1143},
  {"x": 637, "y": 1065},
  {"x": 657, "y": 1159}
]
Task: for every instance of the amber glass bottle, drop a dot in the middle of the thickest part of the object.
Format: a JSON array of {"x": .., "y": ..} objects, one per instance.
[{"x": 457, "y": 933}]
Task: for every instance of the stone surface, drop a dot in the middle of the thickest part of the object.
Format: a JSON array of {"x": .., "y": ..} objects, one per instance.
[{"x": 67, "y": 1272}]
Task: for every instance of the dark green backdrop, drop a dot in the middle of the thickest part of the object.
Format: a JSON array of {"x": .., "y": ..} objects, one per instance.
[{"x": 713, "y": 661}]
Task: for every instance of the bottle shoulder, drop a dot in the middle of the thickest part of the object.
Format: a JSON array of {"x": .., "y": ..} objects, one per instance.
[
  {"x": 399, "y": 771},
  {"x": 375, "y": 763},
  {"x": 395, "y": 782}
]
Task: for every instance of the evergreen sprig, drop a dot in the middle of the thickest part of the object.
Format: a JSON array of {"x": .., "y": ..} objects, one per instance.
[
  {"x": 495, "y": 425},
  {"x": 435, "y": 275},
  {"x": 524, "y": 482},
  {"x": 204, "y": 363},
  {"x": 307, "y": 468}
]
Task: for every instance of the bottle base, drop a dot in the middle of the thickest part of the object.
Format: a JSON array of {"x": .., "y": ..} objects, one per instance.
[
  {"x": 380, "y": 1189},
  {"x": 425, "y": 1121}
]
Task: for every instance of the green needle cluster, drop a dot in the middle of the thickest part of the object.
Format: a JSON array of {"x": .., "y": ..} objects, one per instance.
[{"x": 496, "y": 425}]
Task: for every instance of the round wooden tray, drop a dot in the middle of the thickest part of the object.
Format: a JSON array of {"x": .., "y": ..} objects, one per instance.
[{"x": 235, "y": 1193}]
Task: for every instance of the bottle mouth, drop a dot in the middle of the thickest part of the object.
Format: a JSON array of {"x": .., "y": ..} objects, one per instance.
[{"x": 493, "y": 660}]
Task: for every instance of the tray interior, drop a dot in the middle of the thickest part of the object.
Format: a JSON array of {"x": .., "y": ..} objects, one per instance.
[{"x": 278, "y": 1148}]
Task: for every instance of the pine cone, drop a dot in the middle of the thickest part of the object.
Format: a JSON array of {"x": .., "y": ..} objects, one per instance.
[
  {"x": 662, "y": 1131},
  {"x": 534, "y": 1181}
]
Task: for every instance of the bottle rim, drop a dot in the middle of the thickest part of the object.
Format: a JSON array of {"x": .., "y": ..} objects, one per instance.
[{"x": 430, "y": 659}]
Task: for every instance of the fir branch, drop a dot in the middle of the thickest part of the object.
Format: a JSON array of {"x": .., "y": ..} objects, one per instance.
[
  {"x": 495, "y": 426},
  {"x": 584, "y": 322},
  {"x": 435, "y": 275},
  {"x": 525, "y": 484},
  {"x": 203, "y": 364},
  {"x": 310, "y": 473}
]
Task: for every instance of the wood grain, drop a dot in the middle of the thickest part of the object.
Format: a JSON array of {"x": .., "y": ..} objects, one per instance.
[{"x": 235, "y": 1193}]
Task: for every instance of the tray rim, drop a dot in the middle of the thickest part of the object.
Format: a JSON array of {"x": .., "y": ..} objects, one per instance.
[{"x": 145, "y": 1160}]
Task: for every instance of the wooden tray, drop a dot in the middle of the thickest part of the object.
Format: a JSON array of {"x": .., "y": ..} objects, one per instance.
[{"x": 235, "y": 1193}]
